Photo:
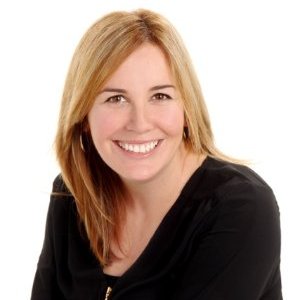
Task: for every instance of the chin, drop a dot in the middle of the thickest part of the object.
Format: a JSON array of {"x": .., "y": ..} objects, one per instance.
[{"x": 138, "y": 176}]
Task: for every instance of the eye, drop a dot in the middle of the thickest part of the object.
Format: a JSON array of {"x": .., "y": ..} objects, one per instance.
[
  {"x": 116, "y": 99},
  {"x": 161, "y": 96}
]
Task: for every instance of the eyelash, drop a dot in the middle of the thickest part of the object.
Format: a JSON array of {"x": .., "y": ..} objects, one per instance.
[
  {"x": 161, "y": 96},
  {"x": 116, "y": 99},
  {"x": 121, "y": 98}
]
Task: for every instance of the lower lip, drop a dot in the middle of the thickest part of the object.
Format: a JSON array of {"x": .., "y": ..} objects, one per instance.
[{"x": 139, "y": 155}]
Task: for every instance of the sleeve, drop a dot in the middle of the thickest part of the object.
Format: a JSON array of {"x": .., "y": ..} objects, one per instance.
[
  {"x": 45, "y": 285},
  {"x": 238, "y": 257}
]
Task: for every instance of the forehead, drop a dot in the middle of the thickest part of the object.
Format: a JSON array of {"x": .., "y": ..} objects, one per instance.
[{"x": 145, "y": 65}]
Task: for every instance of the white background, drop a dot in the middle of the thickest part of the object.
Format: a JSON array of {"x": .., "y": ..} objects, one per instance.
[{"x": 247, "y": 56}]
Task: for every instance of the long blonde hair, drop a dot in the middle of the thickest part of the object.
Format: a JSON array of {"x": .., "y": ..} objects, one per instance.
[{"x": 97, "y": 189}]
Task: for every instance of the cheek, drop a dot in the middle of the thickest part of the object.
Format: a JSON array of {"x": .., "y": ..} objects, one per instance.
[
  {"x": 172, "y": 120},
  {"x": 102, "y": 124}
]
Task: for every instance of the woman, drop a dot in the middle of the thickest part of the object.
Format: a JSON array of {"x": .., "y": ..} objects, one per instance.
[{"x": 146, "y": 207}]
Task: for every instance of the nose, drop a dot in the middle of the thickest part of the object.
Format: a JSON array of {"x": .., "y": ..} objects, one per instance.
[{"x": 139, "y": 119}]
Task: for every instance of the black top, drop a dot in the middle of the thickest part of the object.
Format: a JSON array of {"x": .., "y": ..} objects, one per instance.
[
  {"x": 111, "y": 280},
  {"x": 220, "y": 240}
]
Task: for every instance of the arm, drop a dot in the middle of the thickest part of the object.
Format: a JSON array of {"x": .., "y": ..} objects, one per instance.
[
  {"x": 238, "y": 257},
  {"x": 45, "y": 285},
  {"x": 67, "y": 268}
]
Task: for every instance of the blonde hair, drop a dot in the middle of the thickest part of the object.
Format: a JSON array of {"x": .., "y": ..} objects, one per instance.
[{"x": 97, "y": 189}]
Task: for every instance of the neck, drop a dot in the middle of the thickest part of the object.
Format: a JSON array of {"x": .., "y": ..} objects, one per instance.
[{"x": 159, "y": 194}]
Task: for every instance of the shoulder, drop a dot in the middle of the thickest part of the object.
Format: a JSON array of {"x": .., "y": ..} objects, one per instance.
[
  {"x": 246, "y": 205},
  {"x": 62, "y": 207},
  {"x": 59, "y": 186},
  {"x": 234, "y": 201},
  {"x": 244, "y": 184},
  {"x": 225, "y": 174},
  {"x": 230, "y": 225},
  {"x": 224, "y": 179},
  {"x": 233, "y": 188}
]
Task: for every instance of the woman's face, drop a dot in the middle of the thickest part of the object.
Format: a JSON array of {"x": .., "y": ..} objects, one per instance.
[{"x": 137, "y": 120}]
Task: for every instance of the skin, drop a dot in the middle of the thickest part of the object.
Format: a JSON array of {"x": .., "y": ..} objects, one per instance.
[
  {"x": 136, "y": 124},
  {"x": 134, "y": 109}
]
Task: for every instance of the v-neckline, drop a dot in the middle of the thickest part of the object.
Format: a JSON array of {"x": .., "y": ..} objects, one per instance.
[{"x": 141, "y": 265}]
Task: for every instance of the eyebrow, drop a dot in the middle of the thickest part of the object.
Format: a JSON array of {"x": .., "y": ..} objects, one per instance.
[
  {"x": 164, "y": 86},
  {"x": 123, "y": 91}
]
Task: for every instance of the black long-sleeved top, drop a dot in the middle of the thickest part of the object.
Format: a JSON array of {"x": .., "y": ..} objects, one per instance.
[{"x": 220, "y": 240}]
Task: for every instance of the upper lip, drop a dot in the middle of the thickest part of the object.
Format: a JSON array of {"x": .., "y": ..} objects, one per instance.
[
  {"x": 137, "y": 142},
  {"x": 139, "y": 147}
]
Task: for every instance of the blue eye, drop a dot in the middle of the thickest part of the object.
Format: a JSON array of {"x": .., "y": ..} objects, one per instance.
[
  {"x": 116, "y": 99},
  {"x": 161, "y": 96}
]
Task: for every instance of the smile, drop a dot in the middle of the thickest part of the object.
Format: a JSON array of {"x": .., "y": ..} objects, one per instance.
[{"x": 139, "y": 148}]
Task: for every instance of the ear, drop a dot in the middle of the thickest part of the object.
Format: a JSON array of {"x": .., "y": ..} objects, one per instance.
[
  {"x": 185, "y": 132},
  {"x": 85, "y": 127},
  {"x": 185, "y": 124}
]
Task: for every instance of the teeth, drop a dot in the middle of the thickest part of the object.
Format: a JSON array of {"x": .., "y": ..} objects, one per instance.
[{"x": 138, "y": 148}]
